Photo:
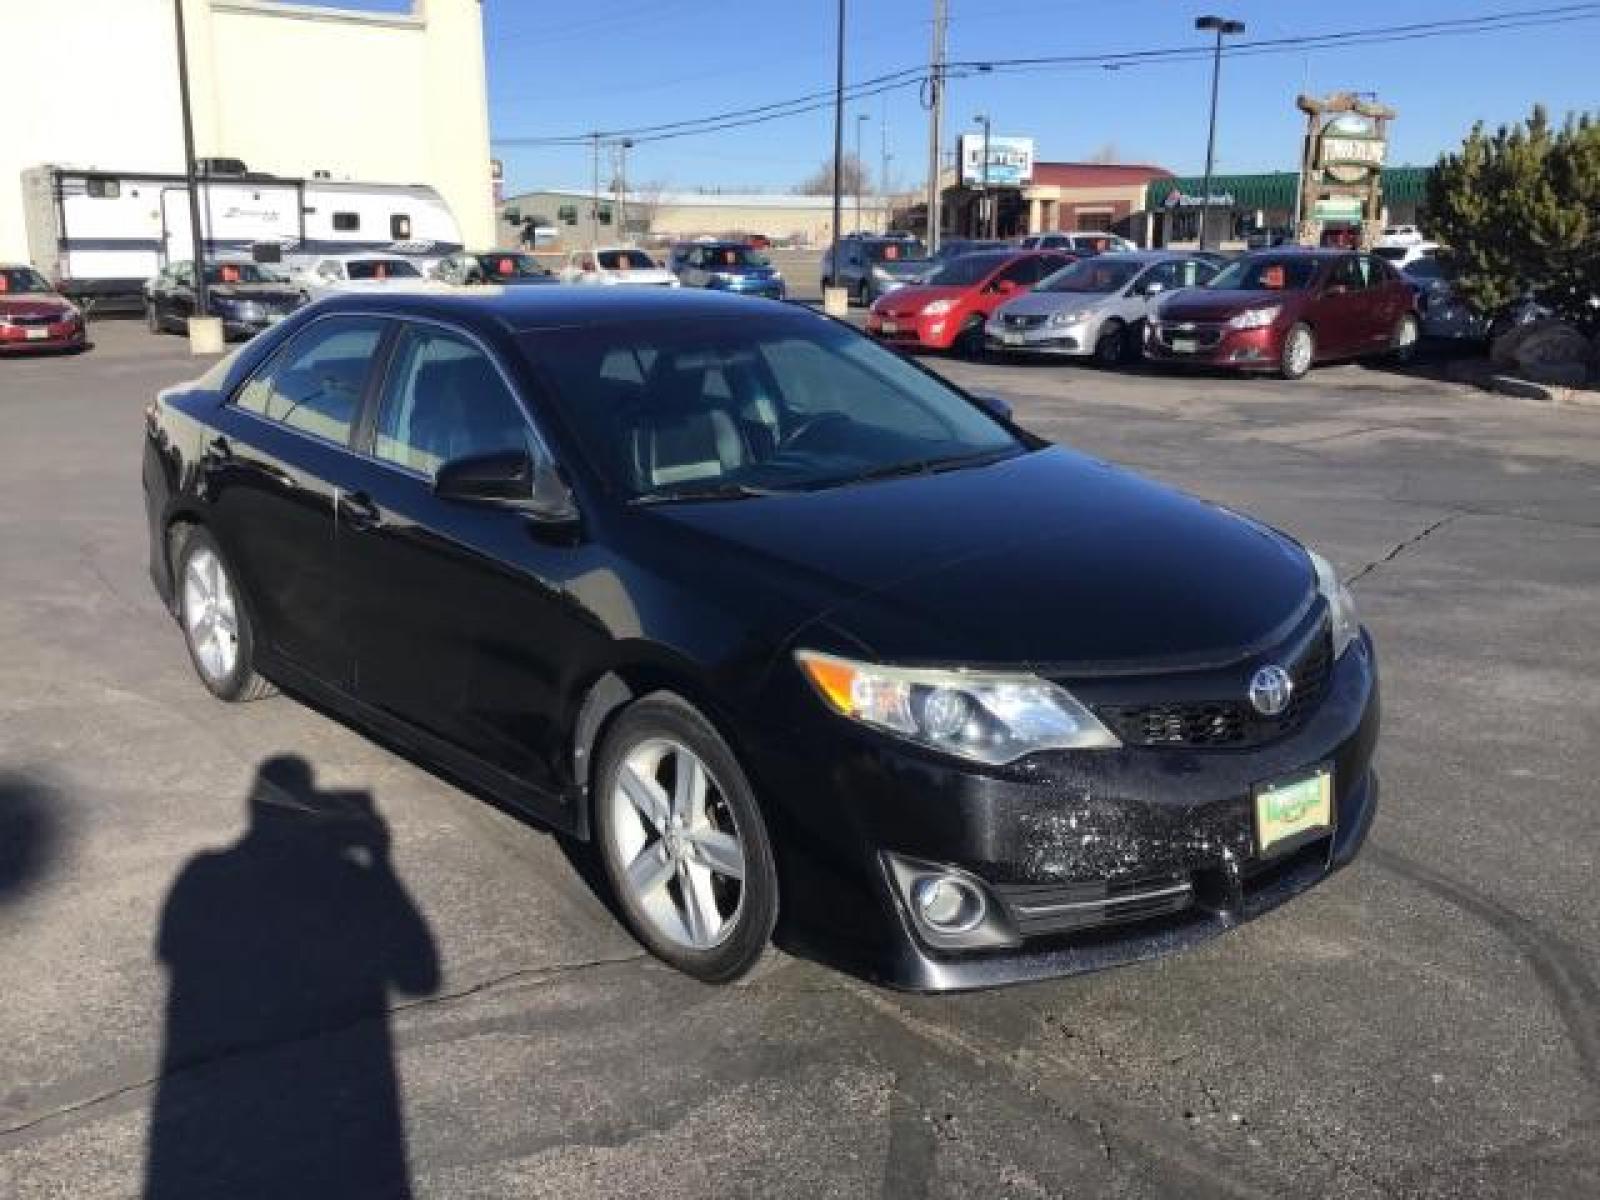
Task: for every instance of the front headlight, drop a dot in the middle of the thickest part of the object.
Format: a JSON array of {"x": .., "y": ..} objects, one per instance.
[
  {"x": 938, "y": 308},
  {"x": 987, "y": 717},
  {"x": 1341, "y": 604},
  {"x": 1256, "y": 318}
]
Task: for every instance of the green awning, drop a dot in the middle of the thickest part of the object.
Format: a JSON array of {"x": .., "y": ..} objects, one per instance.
[{"x": 1274, "y": 190}]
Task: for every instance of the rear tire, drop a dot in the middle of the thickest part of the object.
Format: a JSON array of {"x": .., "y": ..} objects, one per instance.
[
  {"x": 215, "y": 620},
  {"x": 683, "y": 841},
  {"x": 1298, "y": 353}
]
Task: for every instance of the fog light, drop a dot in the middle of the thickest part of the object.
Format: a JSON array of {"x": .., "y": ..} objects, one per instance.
[{"x": 947, "y": 904}]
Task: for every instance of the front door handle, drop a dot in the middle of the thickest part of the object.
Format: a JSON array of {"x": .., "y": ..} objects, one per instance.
[{"x": 357, "y": 510}]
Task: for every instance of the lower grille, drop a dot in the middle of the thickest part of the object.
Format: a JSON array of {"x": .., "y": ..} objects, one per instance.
[
  {"x": 1204, "y": 336},
  {"x": 1040, "y": 908},
  {"x": 36, "y": 321}
]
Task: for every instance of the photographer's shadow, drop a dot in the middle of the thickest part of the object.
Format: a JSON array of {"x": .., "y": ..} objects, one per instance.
[{"x": 282, "y": 950}]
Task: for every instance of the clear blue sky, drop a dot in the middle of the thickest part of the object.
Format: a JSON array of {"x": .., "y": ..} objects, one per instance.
[{"x": 560, "y": 68}]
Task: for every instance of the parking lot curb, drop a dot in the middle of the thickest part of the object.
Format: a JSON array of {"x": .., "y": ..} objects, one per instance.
[{"x": 1527, "y": 389}]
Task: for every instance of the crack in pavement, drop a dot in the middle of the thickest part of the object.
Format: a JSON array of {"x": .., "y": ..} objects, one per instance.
[
  {"x": 1402, "y": 546},
  {"x": 552, "y": 973}
]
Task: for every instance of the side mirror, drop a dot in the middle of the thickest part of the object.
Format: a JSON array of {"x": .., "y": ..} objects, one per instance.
[
  {"x": 510, "y": 478},
  {"x": 992, "y": 404}
]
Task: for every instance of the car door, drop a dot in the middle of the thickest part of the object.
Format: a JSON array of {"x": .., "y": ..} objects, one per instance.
[
  {"x": 1021, "y": 275},
  {"x": 694, "y": 274},
  {"x": 1388, "y": 299},
  {"x": 464, "y": 631},
  {"x": 273, "y": 472},
  {"x": 1337, "y": 311}
]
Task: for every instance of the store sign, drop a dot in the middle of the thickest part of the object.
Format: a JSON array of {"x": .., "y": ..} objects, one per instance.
[
  {"x": 1177, "y": 199},
  {"x": 1349, "y": 149},
  {"x": 1010, "y": 161},
  {"x": 1337, "y": 208}
]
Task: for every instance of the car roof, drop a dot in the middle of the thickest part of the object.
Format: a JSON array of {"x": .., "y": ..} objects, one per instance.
[
  {"x": 1141, "y": 256},
  {"x": 521, "y": 309},
  {"x": 363, "y": 256}
]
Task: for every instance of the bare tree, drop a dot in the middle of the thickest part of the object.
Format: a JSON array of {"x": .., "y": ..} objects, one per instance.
[
  {"x": 852, "y": 172},
  {"x": 644, "y": 203},
  {"x": 1106, "y": 153}
]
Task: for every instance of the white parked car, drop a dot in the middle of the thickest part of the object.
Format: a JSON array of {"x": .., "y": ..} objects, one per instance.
[
  {"x": 343, "y": 273},
  {"x": 1079, "y": 242},
  {"x": 1403, "y": 254},
  {"x": 614, "y": 265}
]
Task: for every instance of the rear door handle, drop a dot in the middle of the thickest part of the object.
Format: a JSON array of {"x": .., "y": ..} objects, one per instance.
[{"x": 357, "y": 510}]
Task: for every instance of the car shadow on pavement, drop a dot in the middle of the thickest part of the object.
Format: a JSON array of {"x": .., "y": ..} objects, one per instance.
[
  {"x": 282, "y": 950},
  {"x": 29, "y": 831}
]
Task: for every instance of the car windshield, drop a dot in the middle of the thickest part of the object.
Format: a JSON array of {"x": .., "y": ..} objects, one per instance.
[
  {"x": 958, "y": 248},
  {"x": 1427, "y": 267},
  {"x": 722, "y": 409},
  {"x": 718, "y": 257},
  {"x": 21, "y": 281},
  {"x": 1392, "y": 253},
  {"x": 1095, "y": 276},
  {"x": 511, "y": 266},
  {"x": 967, "y": 270},
  {"x": 900, "y": 250},
  {"x": 238, "y": 273},
  {"x": 381, "y": 268},
  {"x": 1266, "y": 275},
  {"x": 625, "y": 260}
]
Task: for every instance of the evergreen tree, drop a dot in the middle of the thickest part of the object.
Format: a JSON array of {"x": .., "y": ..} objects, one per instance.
[{"x": 1519, "y": 210}]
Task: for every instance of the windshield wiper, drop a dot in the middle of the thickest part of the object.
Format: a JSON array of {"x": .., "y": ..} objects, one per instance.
[
  {"x": 922, "y": 466},
  {"x": 719, "y": 491}
]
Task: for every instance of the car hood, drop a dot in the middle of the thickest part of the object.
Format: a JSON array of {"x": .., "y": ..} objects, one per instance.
[
  {"x": 33, "y": 306},
  {"x": 1042, "y": 303},
  {"x": 915, "y": 298},
  {"x": 1049, "y": 561},
  {"x": 1207, "y": 304},
  {"x": 905, "y": 268}
]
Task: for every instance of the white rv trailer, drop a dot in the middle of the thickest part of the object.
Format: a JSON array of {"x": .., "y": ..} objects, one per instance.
[{"x": 99, "y": 235}]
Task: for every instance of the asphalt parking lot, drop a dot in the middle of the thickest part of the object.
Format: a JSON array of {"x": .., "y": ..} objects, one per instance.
[{"x": 178, "y": 999}]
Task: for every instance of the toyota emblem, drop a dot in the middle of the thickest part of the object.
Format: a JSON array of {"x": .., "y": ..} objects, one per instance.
[{"x": 1270, "y": 689}]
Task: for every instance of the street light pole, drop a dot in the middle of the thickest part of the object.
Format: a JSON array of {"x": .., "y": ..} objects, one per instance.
[
  {"x": 838, "y": 150},
  {"x": 935, "y": 121},
  {"x": 191, "y": 176},
  {"x": 861, "y": 169},
  {"x": 594, "y": 195},
  {"x": 987, "y": 214},
  {"x": 1221, "y": 26},
  {"x": 623, "y": 147}
]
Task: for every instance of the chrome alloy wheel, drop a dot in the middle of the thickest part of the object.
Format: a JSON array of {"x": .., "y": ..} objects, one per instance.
[
  {"x": 211, "y": 615},
  {"x": 677, "y": 834},
  {"x": 1299, "y": 353}
]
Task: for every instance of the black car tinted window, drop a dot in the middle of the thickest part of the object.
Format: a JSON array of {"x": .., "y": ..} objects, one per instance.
[
  {"x": 315, "y": 382},
  {"x": 444, "y": 399}
]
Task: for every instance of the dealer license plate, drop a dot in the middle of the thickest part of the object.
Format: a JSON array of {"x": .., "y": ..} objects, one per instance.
[
  {"x": 38, "y": 335},
  {"x": 1012, "y": 339},
  {"x": 1185, "y": 345},
  {"x": 889, "y": 327},
  {"x": 1287, "y": 810}
]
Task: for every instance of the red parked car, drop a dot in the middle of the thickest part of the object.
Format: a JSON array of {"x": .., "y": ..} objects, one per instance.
[
  {"x": 1285, "y": 310},
  {"x": 34, "y": 316},
  {"x": 948, "y": 310}
]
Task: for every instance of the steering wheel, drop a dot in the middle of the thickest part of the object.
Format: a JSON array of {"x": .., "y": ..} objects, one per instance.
[{"x": 806, "y": 428}]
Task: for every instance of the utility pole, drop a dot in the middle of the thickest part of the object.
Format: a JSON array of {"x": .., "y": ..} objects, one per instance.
[
  {"x": 861, "y": 171},
  {"x": 936, "y": 119},
  {"x": 594, "y": 195},
  {"x": 838, "y": 150},
  {"x": 883, "y": 167},
  {"x": 623, "y": 146},
  {"x": 191, "y": 176},
  {"x": 1222, "y": 26},
  {"x": 987, "y": 213}
]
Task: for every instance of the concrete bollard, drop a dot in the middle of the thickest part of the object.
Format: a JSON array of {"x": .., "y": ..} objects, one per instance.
[
  {"x": 836, "y": 301},
  {"x": 205, "y": 335}
]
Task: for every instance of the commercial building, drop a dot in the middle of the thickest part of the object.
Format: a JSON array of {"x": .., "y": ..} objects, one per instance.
[
  {"x": 665, "y": 215},
  {"x": 1071, "y": 196},
  {"x": 1240, "y": 203},
  {"x": 290, "y": 89}
]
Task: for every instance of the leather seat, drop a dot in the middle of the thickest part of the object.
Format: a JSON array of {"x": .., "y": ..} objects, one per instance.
[{"x": 678, "y": 434}]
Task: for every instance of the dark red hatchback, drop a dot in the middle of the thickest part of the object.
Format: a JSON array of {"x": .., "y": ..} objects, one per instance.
[
  {"x": 1286, "y": 310},
  {"x": 34, "y": 316}
]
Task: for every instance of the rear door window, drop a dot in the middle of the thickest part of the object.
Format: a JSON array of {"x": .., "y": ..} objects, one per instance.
[{"x": 315, "y": 383}]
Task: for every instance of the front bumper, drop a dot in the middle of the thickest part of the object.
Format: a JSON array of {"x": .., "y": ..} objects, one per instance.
[
  {"x": 248, "y": 327},
  {"x": 914, "y": 329},
  {"x": 770, "y": 289},
  {"x": 63, "y": 335},
  {"x": 1215, "y": 346},
  {"x": 1076, "y": 340},
  {"x": 1154, "y": 848}
]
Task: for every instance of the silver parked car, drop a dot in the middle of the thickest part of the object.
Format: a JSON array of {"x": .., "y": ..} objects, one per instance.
[{"x": 1096, "y": 306}]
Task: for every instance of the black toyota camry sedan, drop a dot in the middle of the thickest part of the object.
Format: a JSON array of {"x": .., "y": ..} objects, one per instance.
[{"x": 810, "y": 643}]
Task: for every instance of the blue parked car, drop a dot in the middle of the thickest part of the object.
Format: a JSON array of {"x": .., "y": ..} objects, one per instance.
[{"x": 727, "y": 267}]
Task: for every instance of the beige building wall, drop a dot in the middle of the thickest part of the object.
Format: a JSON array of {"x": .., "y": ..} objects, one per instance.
[
  {"x": 808, "y": 218},
  {"x": 288, "y": 88},
  {"x": 1051, "y": 207}
]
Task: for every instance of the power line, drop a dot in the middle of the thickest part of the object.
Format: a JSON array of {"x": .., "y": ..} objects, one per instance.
[{"x": 916, "y": 76}]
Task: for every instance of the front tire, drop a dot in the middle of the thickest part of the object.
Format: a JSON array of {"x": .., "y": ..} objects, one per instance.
[
  {"x": 683, "y": 841},
  {"x": 1298, "y": 353},
  {"x": 1403, "y": 342},
  {"x": 1111, "y": 347},
  {"x": 969, "y": 342},
  {"x": 216, "y": 624}
]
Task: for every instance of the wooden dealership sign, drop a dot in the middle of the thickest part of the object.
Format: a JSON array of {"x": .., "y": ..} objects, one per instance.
[{"x": 1341, "y": 165}]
